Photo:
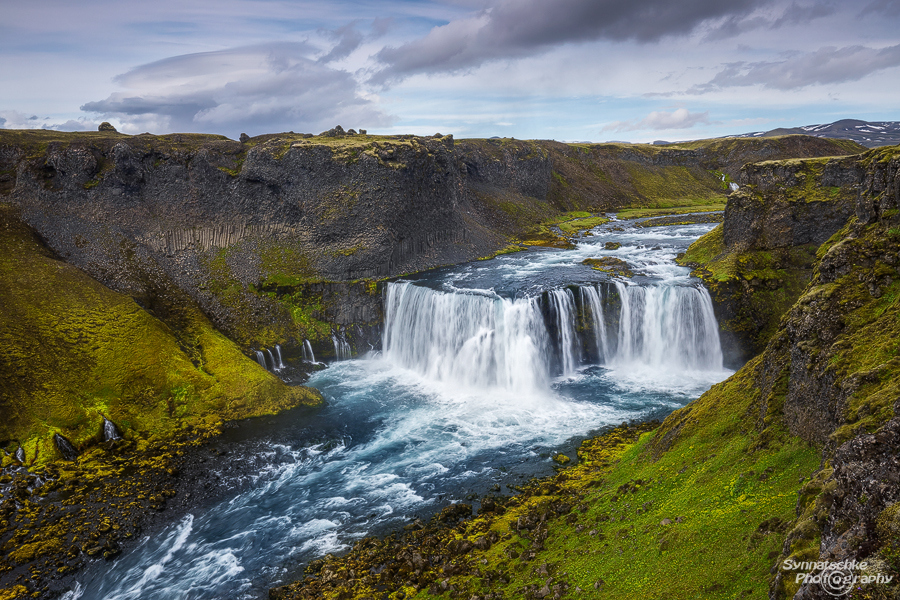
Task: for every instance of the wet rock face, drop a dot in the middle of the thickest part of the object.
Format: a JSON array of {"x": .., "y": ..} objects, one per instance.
[{"x": 65, "y": 447}]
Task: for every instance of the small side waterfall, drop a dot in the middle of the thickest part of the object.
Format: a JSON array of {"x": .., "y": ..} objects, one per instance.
[
  {"x": 261, "y": 359},
  {"x": 110, "y": 431},
  {"x": 307, "y": 350},
  {"x": 65, "y": 447},
  {"x": 20, "y": 455},
  {"x": 278, "y": 353},
  {"x": 275, "y": 365},
  {"x": 480, "y": 339},
  {"x": 342, "y": 349}
]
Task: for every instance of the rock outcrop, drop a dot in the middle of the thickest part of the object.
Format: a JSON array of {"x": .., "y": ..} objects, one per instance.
[{"x": 757, "y": 263}]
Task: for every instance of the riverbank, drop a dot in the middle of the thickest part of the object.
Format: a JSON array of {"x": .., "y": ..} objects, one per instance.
[{"x": 67, "y": 516}]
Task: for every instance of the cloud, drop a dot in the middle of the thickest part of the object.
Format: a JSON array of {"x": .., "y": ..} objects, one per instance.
[
  {"x": 824, "y": 66},
  {"x": 890, "y": 8},
  {"x": 13, "y": 119},
  {"x": 514, "y": 28},
  {"x": 256, "y": 89},
  {"x": 658, "y": 121},
  {"x": 349, "y": 39},
  {"x": 793, "y": 14}
]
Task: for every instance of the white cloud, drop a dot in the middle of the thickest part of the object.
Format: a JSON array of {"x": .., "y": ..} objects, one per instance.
[
  {"x": 253, "y": 89},
  {"x": 661, "y": 121}
]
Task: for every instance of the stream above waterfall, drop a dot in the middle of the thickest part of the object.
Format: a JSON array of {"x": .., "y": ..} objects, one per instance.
[{"x": 487, "y": 369}]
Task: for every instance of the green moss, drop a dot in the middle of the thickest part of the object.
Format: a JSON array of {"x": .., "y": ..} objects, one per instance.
[
  {"x": 706, "y": 248},
  {"x": 581, "y": 224},
  {"x": 88, "y": 352},
  {"x": 509, "y": 249},
  {"x": 678, "y": 207},
  {"x": 670, "y": 186}
]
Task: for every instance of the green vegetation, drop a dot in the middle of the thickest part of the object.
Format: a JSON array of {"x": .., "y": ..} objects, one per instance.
[
  {"x": 868, "y": 299},
  {"x": 510, "y": 249},
  {"x": 580, "y": 224},
  {"x": 75, "y": 351},
  {"x": 670, "y": 208}
]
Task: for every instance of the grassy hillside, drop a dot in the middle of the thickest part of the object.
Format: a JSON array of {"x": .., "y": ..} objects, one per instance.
[{"x": 74, "y": 352}]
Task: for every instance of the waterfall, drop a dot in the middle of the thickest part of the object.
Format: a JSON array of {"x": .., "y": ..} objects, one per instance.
[
  {"x": 341, "y": 347},
  {"x": 307, "y": 350},
  {"x": 65, "y": 447},
  {"x": 591, "y": 298},
  {"x": 466, "y": 338},
  {"x": 20, "y": 455},
  {"x": 275, "y": 366},
  {"x": 480, "y": 339},
  {"x": 261, "y": 359},
  {"x": 278, "y": 352},
  {"x": 668, "y": 327},
  {"x": 110, "y": 431},
  {"x": 562, "y": 309}
]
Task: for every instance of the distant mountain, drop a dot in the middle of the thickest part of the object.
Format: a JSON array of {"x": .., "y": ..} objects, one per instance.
[{"x": 869, "y": 134}]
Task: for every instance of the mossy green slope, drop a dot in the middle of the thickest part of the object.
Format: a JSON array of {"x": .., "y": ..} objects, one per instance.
[{"x": 75, "y": 351}]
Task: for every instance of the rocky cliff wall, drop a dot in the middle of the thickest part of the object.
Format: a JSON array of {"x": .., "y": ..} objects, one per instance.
[
  {"x": 759, "y": 261},
  {"x": 829, "y": 373},
  {"x": 244, "y": 229}
]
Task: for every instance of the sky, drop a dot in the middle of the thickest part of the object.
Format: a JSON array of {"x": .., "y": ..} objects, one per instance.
[{"x": 570, "y": 70}]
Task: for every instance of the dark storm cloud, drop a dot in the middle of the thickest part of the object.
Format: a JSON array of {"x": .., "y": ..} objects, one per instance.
[
  {"x": 514, "y": 28},
  {"x": 273, "y": 87},
  {"x": 824, "y": 66}
]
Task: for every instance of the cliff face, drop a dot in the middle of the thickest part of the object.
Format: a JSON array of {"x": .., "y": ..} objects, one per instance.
[
  {"x": 760, "y": 259},
  {"x": 829, "y": 371},
  {"x": 251, "y": 232}
]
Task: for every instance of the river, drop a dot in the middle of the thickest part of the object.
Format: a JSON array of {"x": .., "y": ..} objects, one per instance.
[{"x": 487, "y": 370}]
